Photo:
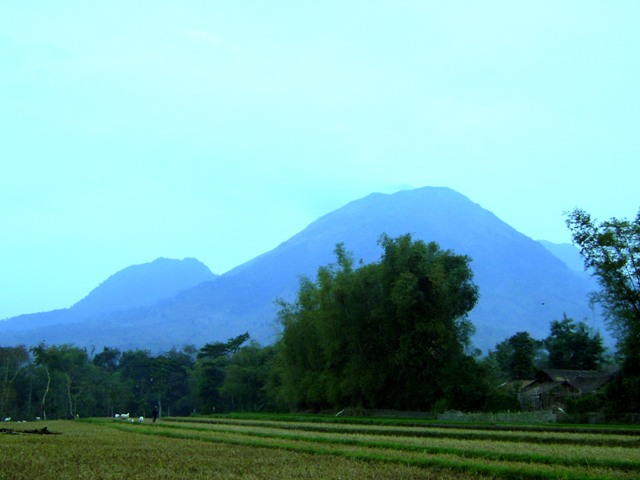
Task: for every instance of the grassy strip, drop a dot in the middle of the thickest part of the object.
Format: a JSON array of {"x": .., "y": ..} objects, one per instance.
[
  {"x": 517, "y": 471},
  {"x": 523, "y": 471},
  {"x": 632, "y": 430},
  {"x": 625, "y": 465},
  {"x": 91, "y": 451},
  {"x": 547, "y": 450},
  {"x": 434, "y": 432}
]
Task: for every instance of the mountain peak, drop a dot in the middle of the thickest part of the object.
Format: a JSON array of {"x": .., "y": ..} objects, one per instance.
[
  {"x": 523, "y": 286},
  {"x": 143, "y": 285}
]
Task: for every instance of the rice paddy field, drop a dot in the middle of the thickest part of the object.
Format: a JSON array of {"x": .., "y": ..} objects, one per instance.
[{"x": 280, "y": 446}]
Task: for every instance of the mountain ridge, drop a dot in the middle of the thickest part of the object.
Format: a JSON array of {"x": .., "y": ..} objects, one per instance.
[
  {"x": 523, "y": 286},
  {"x": 133, "y": 287},
  {"x": 566, "y": 252},
  {"x": 144, "y": 284}
]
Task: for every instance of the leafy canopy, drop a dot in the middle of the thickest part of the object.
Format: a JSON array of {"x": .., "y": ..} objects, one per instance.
[
  {"x": 390, "y": 334},
  {"x": 573, "y": 345},
  {"x": 611, "y": 250}
]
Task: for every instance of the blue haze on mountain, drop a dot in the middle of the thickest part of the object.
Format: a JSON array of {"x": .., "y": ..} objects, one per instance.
[
  {"x": 134, "y": 287},
  {"x": 523, "y": 286},
  {"x": 144, "y": 285},
  {"x": 568, "y": 253}
]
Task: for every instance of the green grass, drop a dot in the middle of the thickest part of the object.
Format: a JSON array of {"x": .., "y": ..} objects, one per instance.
[
  {"x": 576, "y": 463},
  {"x": 583, "y": 436},
  {"x": 265, "y": 446},
  {"x": 89, "y": 450},
  {"x": 404, "y": 421},
  {"x": 620, "y": 458}
]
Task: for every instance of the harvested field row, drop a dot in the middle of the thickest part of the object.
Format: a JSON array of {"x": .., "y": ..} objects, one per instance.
[
  {"x": 512, "y": 459},
  {"x": 624, "y": 458},
  {"x": 589, "y": 437},
  {"x": 93, "y": 451},
  {"x": 633, "y": 430}
]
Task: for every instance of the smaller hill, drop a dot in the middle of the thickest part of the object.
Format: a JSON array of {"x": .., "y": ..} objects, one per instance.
[
  {"x": 133, "y": 288},
  {"x": 523, "y": 286},
  {"x": 144, "y": 285}
]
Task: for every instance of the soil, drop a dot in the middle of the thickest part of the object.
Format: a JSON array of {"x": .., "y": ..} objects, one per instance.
[{"x": 35, "y": 431}]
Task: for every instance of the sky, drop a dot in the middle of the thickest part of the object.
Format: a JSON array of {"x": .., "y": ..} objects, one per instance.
[{"x": 219, "y": 129}]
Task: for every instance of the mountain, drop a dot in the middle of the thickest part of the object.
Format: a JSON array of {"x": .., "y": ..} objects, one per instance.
[
  {"x": 134, "y": 287},
  {"x": 566, "y": 252},
  {"x": 523, "y": 286},
  {"x": 143, "y": 285}
]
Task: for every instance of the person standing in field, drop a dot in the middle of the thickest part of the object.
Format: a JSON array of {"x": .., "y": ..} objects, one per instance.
[{"x": 154, "y": 414}]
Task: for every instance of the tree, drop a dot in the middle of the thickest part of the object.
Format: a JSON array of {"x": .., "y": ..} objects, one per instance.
[
  {"x": 108, "y": 359},
  {"x": 67, "y": 371},
  {"x": 516, "y": 356},
  {"x": 502, "y": 394},
  {"x": 247, "y": 374},
  {"x": 12, "y": 362},
  {"x": 170, "y": 381},
  {"x": 136, "y": 369},
  {"x": 213, "y": 360},
  {"x": 42, "y": 358},
  {"x": 391, "y": 334},
  {"x": 62, "y": 381},
  {"x": 611, "y": 250},
  {"x": 574, "y": 346}
]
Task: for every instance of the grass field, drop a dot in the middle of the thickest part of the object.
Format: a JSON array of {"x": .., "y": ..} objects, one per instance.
[{"x": 248, "y": 447}]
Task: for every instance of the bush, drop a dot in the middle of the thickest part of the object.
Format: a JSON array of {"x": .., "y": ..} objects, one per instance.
[{"x": 502, "y": 400}]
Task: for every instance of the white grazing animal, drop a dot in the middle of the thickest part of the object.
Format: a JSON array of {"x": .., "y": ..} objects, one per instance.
[{"x": 141, "y": 419}]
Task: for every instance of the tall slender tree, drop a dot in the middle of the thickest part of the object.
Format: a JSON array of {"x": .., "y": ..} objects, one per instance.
[{"x": 12, "y": 361}]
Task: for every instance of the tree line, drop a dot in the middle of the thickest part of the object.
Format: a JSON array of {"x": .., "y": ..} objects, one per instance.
[
  {"x": 65, "y": 381},
  {"x": 392, "y": 334}
]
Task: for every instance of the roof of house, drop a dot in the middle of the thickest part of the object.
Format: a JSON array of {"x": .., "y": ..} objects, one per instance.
[
  {"x": 565, "y": 375},
  {"x": 584, "y": 381}
]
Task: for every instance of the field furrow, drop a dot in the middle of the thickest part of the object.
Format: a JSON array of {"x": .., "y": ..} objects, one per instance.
[
  {"x": 516, "y": 435},
  {"x": 513, "y": 459},
  {"x": 313, "y": 447}
]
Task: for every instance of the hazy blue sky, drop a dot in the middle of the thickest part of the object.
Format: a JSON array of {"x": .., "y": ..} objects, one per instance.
[{"x": 131, "y": 130}]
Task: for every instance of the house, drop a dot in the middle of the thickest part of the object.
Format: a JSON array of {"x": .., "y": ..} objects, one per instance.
[{"x": 551, "y": 388}]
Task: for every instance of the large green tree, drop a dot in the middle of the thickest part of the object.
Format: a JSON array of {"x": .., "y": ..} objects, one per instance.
[
  {"x": 210, "y": 373},
  {"x": 171, "y": 376},
  {"x": 390, "y": 334},
  {"x": 611, "y": 250},
  {"x": 574, "y": 345},
  {"x": 247, "y": 375},
  {"x": 516, "y": 356}
]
